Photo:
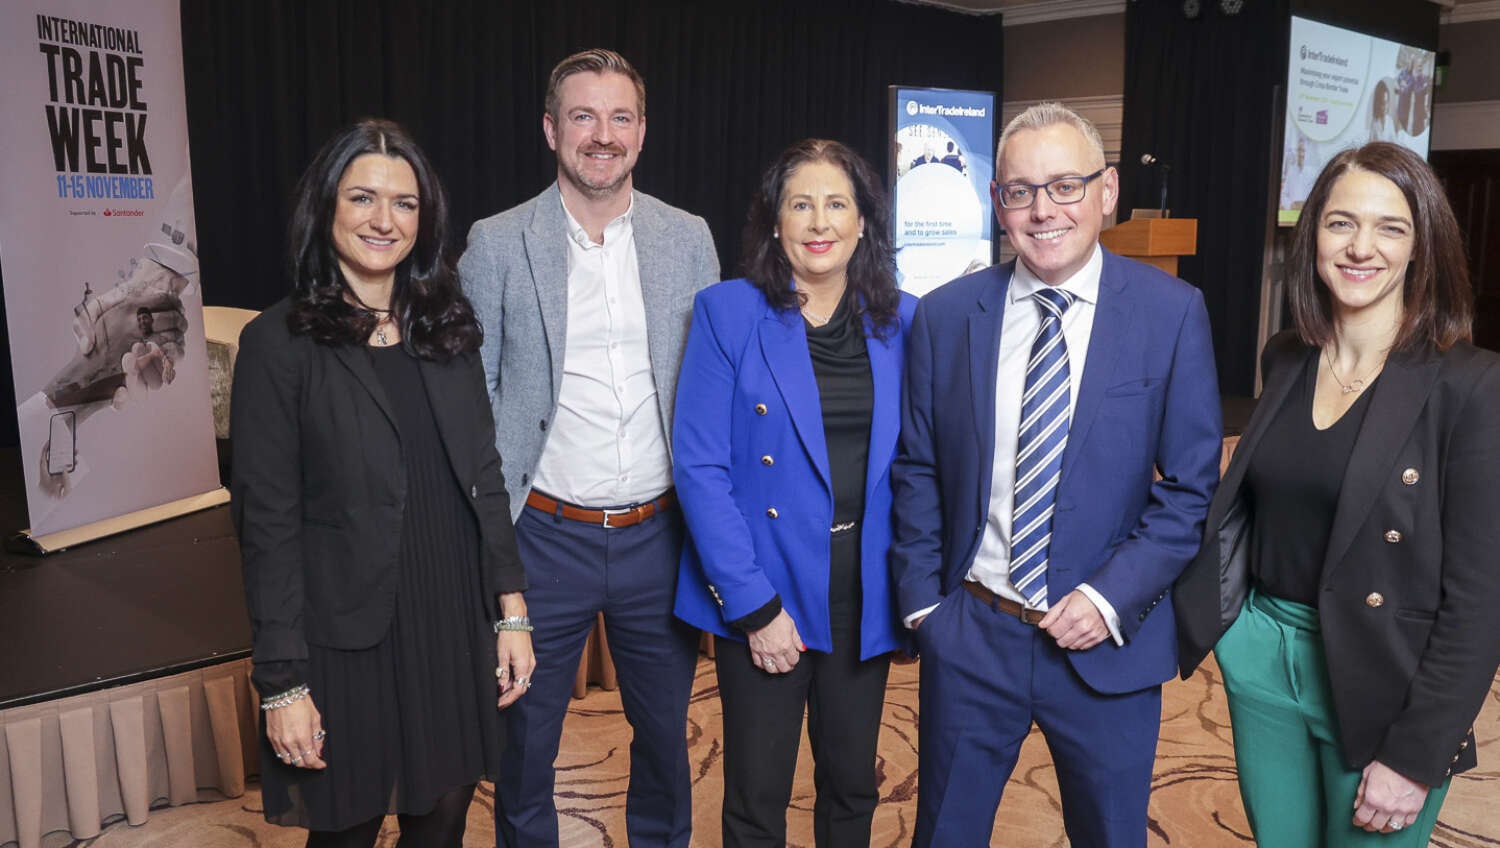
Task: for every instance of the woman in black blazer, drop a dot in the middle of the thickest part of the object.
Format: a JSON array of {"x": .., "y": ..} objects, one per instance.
[
  {"x": 1348, "y": 568},
  {"x": 379, "y": 559}
]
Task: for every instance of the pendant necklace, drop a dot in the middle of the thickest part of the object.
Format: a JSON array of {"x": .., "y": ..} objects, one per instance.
[{"x": 1357, "y": 385}]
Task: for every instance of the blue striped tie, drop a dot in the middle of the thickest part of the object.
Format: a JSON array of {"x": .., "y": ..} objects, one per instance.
[{"x": 1039, "y": 448}]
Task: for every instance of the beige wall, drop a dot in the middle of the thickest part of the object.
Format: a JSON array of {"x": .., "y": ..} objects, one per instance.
[
  {"x": 1038, "y": 67},
  {"x": 1474, "y": 73}
]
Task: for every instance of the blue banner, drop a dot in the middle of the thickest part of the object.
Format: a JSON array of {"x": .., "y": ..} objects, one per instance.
[{"x": 942, "y": 163}]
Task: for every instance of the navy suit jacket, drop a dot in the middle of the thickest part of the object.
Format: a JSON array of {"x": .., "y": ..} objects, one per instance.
[
  {"x": 1147, "y": 401},
  {"x": 757, "y": 529}
]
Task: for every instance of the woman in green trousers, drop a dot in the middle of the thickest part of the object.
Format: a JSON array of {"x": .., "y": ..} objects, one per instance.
[{"x": 1348, "y": 581}]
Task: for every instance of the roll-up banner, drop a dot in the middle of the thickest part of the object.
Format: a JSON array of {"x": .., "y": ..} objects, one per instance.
[
  {"x": 99, "y": 257},
  {"x": 942, "y": 162}
]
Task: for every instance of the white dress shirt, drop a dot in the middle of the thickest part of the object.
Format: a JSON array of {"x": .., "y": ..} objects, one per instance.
[
  {"x": 606, "y": 446},
  {"x": 1022, "y": 320}
]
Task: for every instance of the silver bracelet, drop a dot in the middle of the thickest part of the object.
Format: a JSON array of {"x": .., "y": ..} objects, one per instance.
[
  {"x": 285, "y": 699},
  {"x": 514, "y": 622}
]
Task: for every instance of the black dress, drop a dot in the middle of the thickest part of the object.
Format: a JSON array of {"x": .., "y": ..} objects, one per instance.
[{"x": 413, "y": 717}]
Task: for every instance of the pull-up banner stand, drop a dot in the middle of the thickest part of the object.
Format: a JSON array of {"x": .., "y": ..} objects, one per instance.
[
  {"x": 99, "y": 255},
  {"x": 941, "y": 164}
]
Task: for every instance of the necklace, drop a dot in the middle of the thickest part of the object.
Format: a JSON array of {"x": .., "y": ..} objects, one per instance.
[
  {"x": 816, "y": 318},
  {"x": 380, "y": 337},
  {"x": 1357, "y": 385}
]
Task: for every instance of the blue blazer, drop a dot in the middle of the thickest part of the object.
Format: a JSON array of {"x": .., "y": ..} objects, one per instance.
[
  {"x": 1148, "y": 400},
  {"x": 746, "y": 391}
]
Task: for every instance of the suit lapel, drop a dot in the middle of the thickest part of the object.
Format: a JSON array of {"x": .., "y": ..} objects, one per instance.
[
  {"x": 984, "y": 358},
  {"x": 1108, "y": 338},
  {"x": 547, "y": 254},
  {"x": 885, "y": 417},
  {"x": 357, "y": 360},
  {"x": 783, "y": 342},
  {"x": 444, "y": 392},
  {"x": 1400, "y": 396},
  {"x": 1277, "y": 390},
  {"x": 656, "y": 288}
]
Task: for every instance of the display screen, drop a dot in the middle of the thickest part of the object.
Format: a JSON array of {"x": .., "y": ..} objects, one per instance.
[{"x": 1345, "y": 89}]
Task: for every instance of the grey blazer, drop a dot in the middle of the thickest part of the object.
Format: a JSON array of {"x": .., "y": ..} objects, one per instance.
[{"x": 515, "y": 271}]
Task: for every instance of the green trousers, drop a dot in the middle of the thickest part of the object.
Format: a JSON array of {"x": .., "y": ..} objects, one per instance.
[{"x": 1297, "y": 791}]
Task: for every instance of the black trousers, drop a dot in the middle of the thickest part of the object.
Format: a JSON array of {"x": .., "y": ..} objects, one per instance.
[{"x": 763, "y": 729}]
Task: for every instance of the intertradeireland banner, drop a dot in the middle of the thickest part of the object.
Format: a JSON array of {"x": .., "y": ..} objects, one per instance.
[
  {"x": 98, "y": 251},
  {"x": 942, "y": 162}
]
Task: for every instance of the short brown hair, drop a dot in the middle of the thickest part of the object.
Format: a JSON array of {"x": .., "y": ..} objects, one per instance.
[
  {"x": 1437, "y": 299},
  {"x": 595, "y": 61}
]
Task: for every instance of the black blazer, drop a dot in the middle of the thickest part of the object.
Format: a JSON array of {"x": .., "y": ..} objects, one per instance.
[
  {"x": 1409, "y": 602},
  {"x": 319, "y": 487}
]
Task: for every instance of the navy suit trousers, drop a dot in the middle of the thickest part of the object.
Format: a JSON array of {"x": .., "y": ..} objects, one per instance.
[
  {"x": 575, "y": 571},
  {"x": 986, "y": 677}
]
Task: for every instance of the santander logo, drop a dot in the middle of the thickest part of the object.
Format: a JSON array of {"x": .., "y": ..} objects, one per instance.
[{"x": 107, "y": 212}]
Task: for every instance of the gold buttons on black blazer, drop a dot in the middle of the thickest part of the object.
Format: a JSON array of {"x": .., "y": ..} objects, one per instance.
[
  {"x": 760, "y": 409},
  {"x": 1393, "y": 536},
  {"x": 1375, "y": 599},
  {"x": 1410, "y": 476}
]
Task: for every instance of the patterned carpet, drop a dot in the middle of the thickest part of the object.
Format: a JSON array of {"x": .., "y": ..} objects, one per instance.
[{"x": 1195, "y": 800}]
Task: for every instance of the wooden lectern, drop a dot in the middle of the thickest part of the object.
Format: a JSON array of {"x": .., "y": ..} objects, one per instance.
[{"x": 1155, "y": 241}]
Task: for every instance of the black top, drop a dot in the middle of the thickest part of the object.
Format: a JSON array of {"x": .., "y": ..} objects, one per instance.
[
  {"x": 841, "y": 366},
  {"x": 1293, "y": 483}
]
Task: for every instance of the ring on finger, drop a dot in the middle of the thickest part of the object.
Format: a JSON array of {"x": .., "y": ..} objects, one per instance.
[
  {"x": 501, "y": 672},
  {"x": 320, "y": 734},
  {"x": 1395, "y": 824},
  {"x": 285, "y": 758},
  {"x": 307, "y": 753},
  {"x": 296, "y": 760}
]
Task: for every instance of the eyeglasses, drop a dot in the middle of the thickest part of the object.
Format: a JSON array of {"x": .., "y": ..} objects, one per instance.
[{"x": 1063, "y": 191}]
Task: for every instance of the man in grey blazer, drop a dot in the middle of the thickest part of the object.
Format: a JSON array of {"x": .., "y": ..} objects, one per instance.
[{"x": 585, "y": 293}]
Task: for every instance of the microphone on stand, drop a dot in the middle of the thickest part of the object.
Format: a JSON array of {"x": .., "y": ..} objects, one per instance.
[{"x": 1149, "y": 160}]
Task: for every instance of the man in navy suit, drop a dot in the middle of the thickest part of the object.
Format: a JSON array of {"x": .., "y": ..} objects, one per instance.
[{"x": 1034, "y": 552}]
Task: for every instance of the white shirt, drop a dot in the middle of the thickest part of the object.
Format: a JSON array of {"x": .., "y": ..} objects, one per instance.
[
  {"x": 606, "y": 445},
  {"x": 1022, "y": 320}
]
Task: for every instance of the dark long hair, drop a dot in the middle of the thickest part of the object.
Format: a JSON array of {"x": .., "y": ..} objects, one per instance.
[
  {"x": 435, "y": 318},
  {"x": 1437, "y": 299},
  {"x": 871, "y": 275}
]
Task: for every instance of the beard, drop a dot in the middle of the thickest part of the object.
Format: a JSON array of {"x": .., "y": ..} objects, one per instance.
[{"x": 590, "y": 186}]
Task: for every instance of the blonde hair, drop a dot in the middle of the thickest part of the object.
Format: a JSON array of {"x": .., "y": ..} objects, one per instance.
[{"x": 1050, "y": 114}]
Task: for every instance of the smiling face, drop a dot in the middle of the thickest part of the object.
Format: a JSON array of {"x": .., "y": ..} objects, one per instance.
[
  {"x": 1055, "y": 240},
  {"x": 819, "y": 224},
  {"x": 1365, "y": 240},
  {"x": 375, "y": 218},
  {"x": 598, "y": 132}
]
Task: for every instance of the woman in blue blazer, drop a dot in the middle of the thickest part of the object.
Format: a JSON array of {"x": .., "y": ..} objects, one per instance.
[{"x": 786, "y": 422}]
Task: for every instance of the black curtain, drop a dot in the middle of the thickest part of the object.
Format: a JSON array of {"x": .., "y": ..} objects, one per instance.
[
  {"x": 1200, "y": 94},
  {"x": 727, "y": 87}
]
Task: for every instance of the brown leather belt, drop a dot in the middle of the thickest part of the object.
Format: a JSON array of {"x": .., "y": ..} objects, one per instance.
[
  {"x": 611, "y": 518},
  {"x": 994, "y": 601}
]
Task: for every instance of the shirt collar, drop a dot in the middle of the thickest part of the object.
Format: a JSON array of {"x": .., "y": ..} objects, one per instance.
[
  {"x": 1083, "y": 285},
  {"x": 615, "y": 230}
]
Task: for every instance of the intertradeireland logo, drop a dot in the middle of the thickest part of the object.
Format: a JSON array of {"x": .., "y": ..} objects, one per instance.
[{"x": 911, "y": 107}]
